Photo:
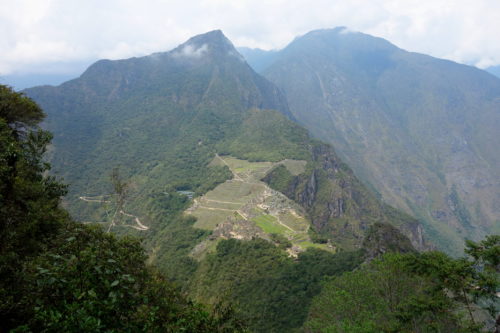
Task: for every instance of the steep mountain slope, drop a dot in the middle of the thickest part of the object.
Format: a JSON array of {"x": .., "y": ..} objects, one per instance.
[
  {"x": 147, "y": 114},
  {"x": 422, "y": 131},
  {"x": 495, "y": 70},
  {"x": 162, "y": 118},
  {"x": 206, "y": 151}
]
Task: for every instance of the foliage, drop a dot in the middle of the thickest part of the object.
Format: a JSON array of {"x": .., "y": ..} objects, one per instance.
[
  {"x": 29, "y": 202},
  {"x": 60, "y": 276},
  {"x": 427, "y": 292},
  {"x": 267, "y": 136},
  {"x": 94, "y": 282},
  {"x": 19, "y": 112},
  {"x": 485, "y": 257},
  {"x": 271, "y": 290},
  {"x": 280, "y": 179},
  {"x": 280, "y": 240},
  {"x": 399, "y": 119}
]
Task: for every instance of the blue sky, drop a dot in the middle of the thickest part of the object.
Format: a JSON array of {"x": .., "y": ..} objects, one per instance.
[{"x": 47, "y": 36}]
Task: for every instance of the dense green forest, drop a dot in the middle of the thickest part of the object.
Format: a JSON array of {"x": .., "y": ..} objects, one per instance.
[
  {"x": 415, "y": 292},
  {"x": 59, "y": 275},
  {"x": 155, "y": 150}
]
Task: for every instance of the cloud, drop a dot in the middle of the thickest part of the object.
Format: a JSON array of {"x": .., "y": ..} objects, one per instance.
[
  {"x": 37, "y": 32},
  {"x": 190, "y": 51}
]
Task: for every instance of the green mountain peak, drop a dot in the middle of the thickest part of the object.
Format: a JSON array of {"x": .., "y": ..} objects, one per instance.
[{"x": 421, "y": 130}]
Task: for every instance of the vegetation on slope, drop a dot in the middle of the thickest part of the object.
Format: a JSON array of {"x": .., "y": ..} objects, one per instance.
[
  {"x": 60, "y": 276},
  {"x": 339, "y": 205},
  {"x": 57, "y": 275},
  {"x": 419, "y": 129},
  {"x": 272, "y": 290},
  {"x": 427, "y": 292},
  {"x": 162, "y": 119}
]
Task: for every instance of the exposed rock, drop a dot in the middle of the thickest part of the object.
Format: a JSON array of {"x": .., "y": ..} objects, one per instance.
[
  {"x": 338, "y": 204},
  {"x": 382, "y": 238}
]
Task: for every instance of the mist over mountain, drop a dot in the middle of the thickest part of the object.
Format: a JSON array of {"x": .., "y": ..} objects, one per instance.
[{"x": 421, "y": 130}]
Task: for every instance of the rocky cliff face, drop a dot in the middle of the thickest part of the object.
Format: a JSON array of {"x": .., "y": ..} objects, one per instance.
[
  {"x": 340, "y": 206},
  {"x": 382, "y": 238},
  {"x": 420, "y": 130}
]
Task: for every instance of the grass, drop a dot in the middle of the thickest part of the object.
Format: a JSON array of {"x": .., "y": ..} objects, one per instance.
[
  {"x": 298, "y": 224},
  {"x": 296, "y": 167},
  {"x": 208, "y": 219},
  {"x": 245, "y": 166},
  {"x": 269, "y": 224},
  {"x": 231, "y": 196},
  {"x": 221, "y": 205},
  {"x": 235, "y": 192}
]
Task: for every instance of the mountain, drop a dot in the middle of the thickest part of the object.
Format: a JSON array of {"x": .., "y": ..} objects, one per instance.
[
  {"x": 162, "y": 118},
  {"x": 196, "y": 153},
  {"x": 257, "y": 58},
  {"x": 422, "y": 131},
  {"x": 23, "y": 81},
  {"x": 119, "y": 111},
  {"x": 49, "y": 73},
  {"x": 495, "y": 70}
]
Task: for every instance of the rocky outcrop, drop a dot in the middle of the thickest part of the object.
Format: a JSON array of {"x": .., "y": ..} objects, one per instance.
[
  {"x": 382, "y": 238},
  {"x": 339, "y": 206}
]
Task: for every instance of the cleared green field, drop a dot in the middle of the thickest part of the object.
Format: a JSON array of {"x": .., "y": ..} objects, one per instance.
[
  {"x": 235, "y": 191},
  {"x": 238, "y": 165},
  {"x": 296, "y": 223},
  {"x": 269, "y": 224},
  {"x": 222, "y": 202},
  {"x": 209, "y": 218},
  {"x": 296, "y": 167}
]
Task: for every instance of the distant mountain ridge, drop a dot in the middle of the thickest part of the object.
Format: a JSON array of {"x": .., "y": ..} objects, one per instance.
[
  {"x": 495, "y": 70},
  {"x": 195, "y": 153},
  {"x": 421, "y": 130},
  {"x": 161, "y": 119}
]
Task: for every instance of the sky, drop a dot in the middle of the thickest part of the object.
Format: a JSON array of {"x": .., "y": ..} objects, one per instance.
[{"x": 57, "y": 36}]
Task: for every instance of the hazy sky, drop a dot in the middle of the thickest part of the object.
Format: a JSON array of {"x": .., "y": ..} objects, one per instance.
[{"x": 37, "y": 35}]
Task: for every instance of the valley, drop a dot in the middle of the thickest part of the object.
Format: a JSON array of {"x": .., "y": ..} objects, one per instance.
[{"x": 204, "y": 166}]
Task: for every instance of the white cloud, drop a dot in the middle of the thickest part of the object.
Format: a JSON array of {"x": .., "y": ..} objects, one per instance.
[
  {"x": 191, "y": 51},
  {"x": 37, "y": 32}
]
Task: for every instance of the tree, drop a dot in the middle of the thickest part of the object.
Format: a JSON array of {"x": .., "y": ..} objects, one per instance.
[
  {"x": 416, "y": 292},
  {"x": 471, "y": 281},
  {"x": 29, "y": 201},
  {"x": 379, "y": 297},
  {"x": 60, "y": 276},
  {"x": 18, "y": 111},
  {"x": 120, "y": 189}
]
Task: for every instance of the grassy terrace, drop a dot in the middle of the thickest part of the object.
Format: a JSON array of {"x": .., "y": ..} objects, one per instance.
[
  {"x": 269, "y": 224},
  {"x": 247, "y": 198}
]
